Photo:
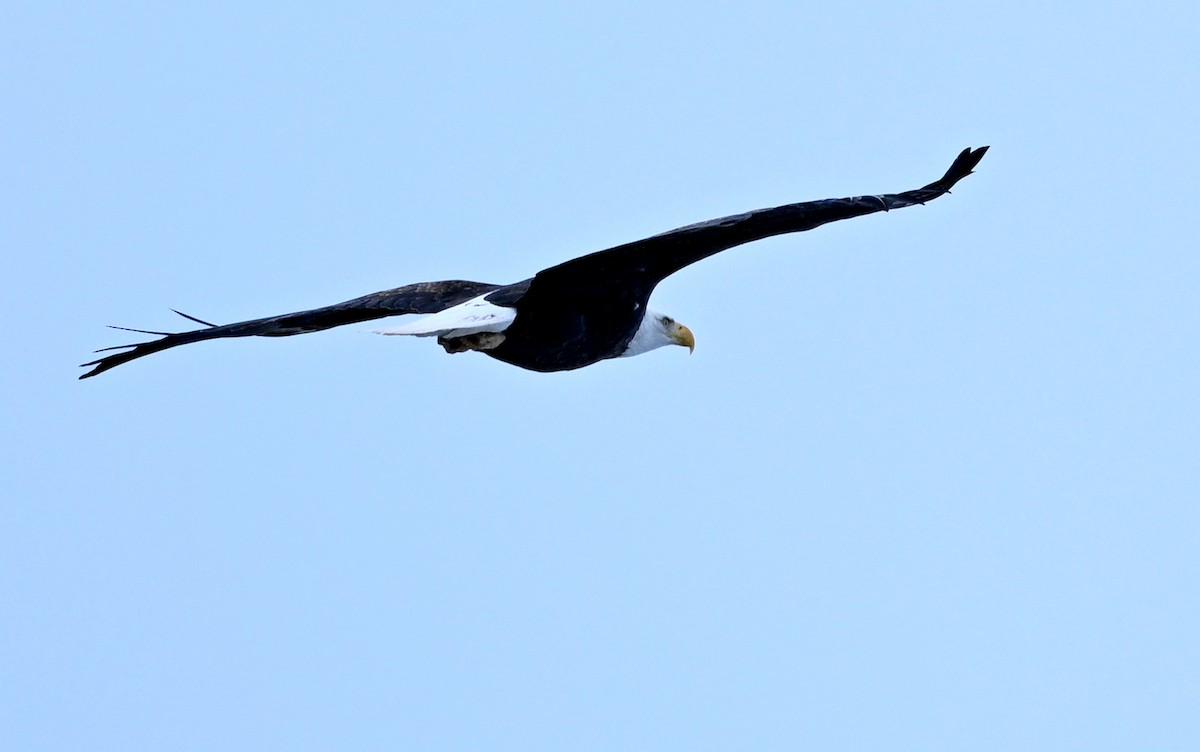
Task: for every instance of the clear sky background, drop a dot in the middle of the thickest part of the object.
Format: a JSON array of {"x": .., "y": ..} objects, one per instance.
[{"x": 929, "y": 482}]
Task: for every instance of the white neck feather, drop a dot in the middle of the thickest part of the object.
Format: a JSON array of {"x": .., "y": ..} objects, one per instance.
[{"x": 651, "y": 335}]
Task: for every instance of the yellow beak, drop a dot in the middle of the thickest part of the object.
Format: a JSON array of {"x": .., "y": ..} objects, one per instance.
[{"x": 681, "y": 335}]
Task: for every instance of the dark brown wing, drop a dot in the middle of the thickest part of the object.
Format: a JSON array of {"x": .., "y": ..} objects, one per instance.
[
  {"x": 424, "y": 297},
  {"x": 635, "y": 268}
]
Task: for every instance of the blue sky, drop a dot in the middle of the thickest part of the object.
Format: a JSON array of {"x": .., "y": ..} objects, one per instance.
[{"x": 928, "y": 482}]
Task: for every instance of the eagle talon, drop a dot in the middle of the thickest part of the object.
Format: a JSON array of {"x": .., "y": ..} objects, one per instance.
[{"x": 479, "y": 341}]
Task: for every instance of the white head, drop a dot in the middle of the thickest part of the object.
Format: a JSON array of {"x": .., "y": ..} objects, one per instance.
[{"x": 657, "y": 330}]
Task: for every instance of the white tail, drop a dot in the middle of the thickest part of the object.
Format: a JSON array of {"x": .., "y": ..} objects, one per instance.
[{"x": 475, "y": 316}]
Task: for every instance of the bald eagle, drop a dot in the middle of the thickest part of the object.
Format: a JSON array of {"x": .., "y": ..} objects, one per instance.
[{"x": 568, "y": 316}]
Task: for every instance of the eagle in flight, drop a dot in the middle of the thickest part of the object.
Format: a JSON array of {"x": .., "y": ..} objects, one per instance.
[{"x": 568, "y": 316}]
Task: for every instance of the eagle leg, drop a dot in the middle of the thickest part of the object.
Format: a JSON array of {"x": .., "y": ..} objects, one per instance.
[{"x": 478, "y": 341}]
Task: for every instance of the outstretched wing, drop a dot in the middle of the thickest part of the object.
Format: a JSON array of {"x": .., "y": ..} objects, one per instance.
[
  {"x": 424, "y": 297},
  {"x": 635, "y": 268}
]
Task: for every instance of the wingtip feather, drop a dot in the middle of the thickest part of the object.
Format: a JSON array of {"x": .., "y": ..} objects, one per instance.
[
  {"x": 964, "y": 164},
  {"x": 191, "y": 318}
]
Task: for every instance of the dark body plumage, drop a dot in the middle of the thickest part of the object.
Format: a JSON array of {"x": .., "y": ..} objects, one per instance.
[{"x": 578, "y": 312}]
